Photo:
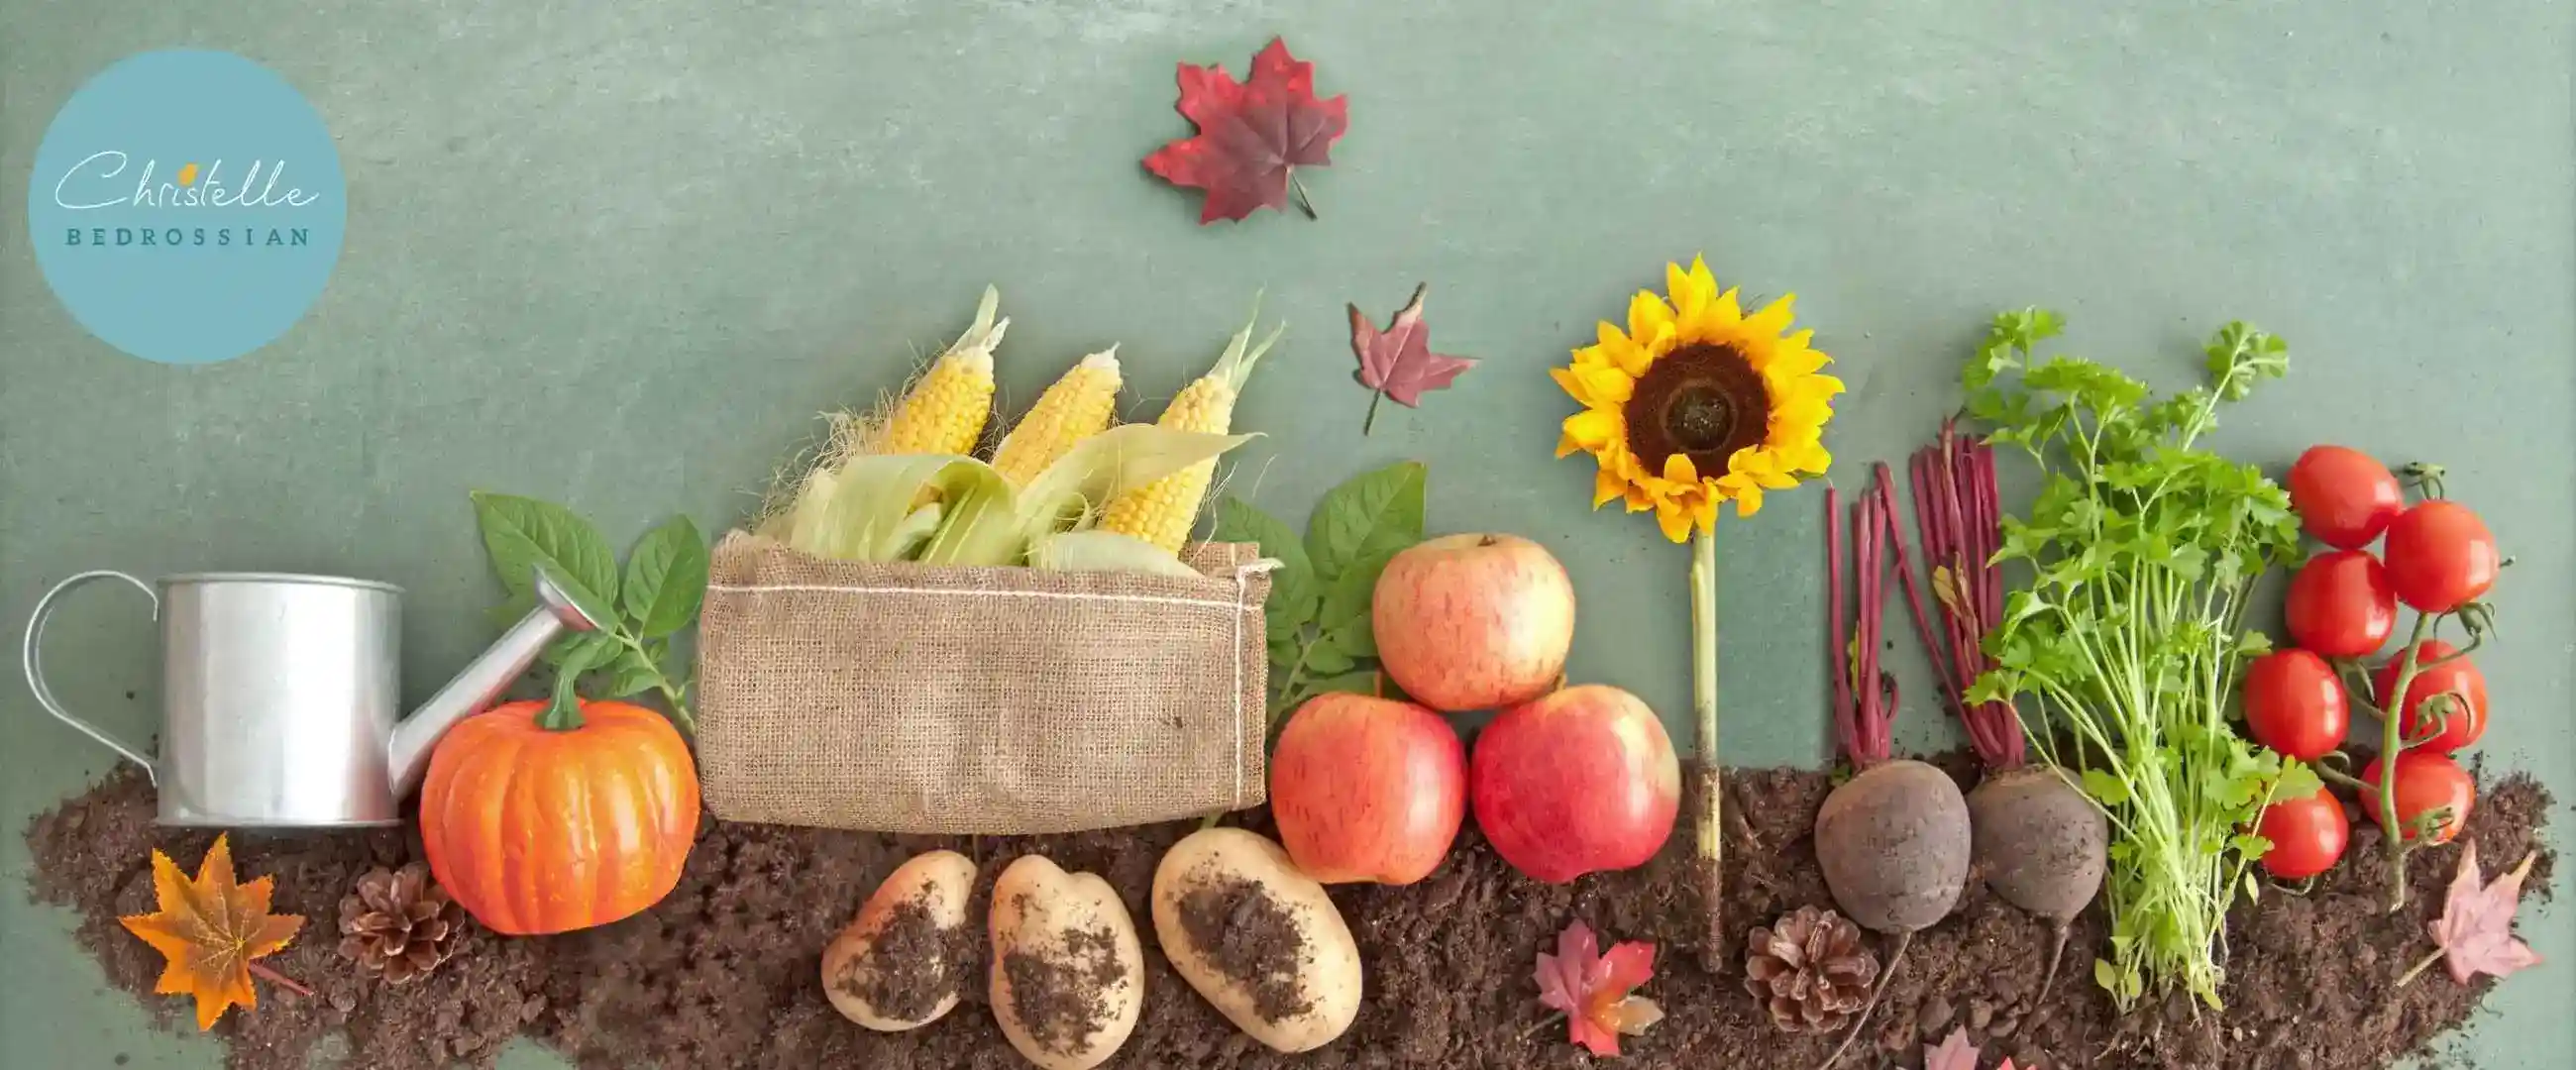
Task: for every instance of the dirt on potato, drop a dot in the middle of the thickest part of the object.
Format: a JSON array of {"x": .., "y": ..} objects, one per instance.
[
  {"x": 1252, "y": 940},
  {"x": 726, "y": 971}
]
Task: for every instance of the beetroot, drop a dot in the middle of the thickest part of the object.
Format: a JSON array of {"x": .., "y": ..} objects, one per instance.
[
  {"x": 1893, "y": 840},
  {"x": 2040, "y": 842}
]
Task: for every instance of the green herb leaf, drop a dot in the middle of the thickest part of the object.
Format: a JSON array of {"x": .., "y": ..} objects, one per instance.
[
  {"x": 2105, "y": 788},
  {"x": 1373, "y": 515},
  {"x": 666, "y": 579},
  {"x": 524, "y": 533},
  {"x": 2297, "y": 781},
  {"x": 1294, "y": 592}
]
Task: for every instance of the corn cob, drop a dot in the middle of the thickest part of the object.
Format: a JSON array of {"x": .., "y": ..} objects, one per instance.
[
  {"x": 946, "y": 409},
  {"x": 1077, "y": 407},
  {"x": 1162, "y": 512}
]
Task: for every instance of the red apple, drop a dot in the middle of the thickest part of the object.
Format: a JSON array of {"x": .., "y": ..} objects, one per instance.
[
  {"x": 1581, "y": 781},
  {"x": 1367, "y": 789},
  {"x": 1474, "y": 622}
]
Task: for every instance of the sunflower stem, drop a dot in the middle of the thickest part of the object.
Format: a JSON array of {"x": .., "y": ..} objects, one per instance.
[{"x": 1704, "y": 708}]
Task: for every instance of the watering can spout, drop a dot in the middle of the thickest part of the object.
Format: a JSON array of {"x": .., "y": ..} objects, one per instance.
[{"x": 474, "y": 688}]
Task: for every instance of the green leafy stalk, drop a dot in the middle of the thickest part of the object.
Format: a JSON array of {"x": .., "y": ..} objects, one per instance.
[
  {"x": 2142, "y": 549},
  {"x": 663, "y": 586},
  {"x": 1318, "y": 617}
]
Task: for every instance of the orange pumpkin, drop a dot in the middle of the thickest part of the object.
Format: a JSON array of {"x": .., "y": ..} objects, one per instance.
[{"x": 539, "y": 830}]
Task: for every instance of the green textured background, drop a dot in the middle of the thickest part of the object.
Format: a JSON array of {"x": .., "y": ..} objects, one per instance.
[{"x": 617, "y": 255}]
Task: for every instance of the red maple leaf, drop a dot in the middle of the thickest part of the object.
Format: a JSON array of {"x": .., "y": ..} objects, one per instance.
[
  {"x": 1592, "y": 988},
  {"x": 1252, "y": 134},
  {"x": 2475, "y": 931},
  {"x": 1398, "y": 362}
]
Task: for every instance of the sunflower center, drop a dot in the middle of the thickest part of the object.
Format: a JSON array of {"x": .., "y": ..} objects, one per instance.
[{"x": 1702, "y": 401}]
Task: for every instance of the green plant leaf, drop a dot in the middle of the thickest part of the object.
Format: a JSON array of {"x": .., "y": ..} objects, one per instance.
[
  {"x": 1360, "y": 682},
  {"x": 1348, "y": 601},
  {"x": 1325, "y": 657},
  {"x": 1373, "y": 515},
  {"x": 601, "y": 611},
  {"x": 1294, "y": 593},
  {"x": 633, "y": 673},
  {"x": 511, "y": 610},
  {"x": 666, "y": 579},
  {"x": 593, "y": 649},
  {"x": 524, "y": 533},
  {"x": 2105, "y": 788}
]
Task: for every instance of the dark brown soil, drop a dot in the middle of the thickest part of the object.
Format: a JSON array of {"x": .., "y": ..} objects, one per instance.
[
  {"x": 1061, "y": 995},
  {"x": 726, "y": 971},
  {"x": 912, "y": 965},
  {"x": 1252, "y": 940}
]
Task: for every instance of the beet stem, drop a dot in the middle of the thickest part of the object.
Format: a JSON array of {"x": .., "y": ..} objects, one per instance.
[{"x": 1903, "y": 941}]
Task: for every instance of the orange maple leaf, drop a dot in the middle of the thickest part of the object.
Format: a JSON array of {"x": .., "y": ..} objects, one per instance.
[{"x": 210, "y": 929}]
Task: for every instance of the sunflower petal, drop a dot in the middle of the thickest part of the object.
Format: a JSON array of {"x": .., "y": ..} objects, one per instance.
[
  {"x": 1618, "y": 350},
  {"x": 1648, "y": 316},
  {"x": 1774, "y": 317},
  {"x": 1607, "y": 487},
  {"x": 1679, "y": 469},
  {"x": 1808, "y": 457},
  {"x": 1791, "y": 359},
  {"x": 1606, "y": 386},
  {"x": 1566, "y": 446},
  {"x": 1728, "y": 312},
  {"x": 1674, "y": 518},
  {"x": 1593, "y": 429}
]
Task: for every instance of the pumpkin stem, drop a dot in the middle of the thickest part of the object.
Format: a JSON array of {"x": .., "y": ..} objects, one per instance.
[{"x": 563, "y": 713}]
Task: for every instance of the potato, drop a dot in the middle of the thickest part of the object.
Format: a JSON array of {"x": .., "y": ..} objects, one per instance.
[
  {"x": 1258, "y": 938},
  {"x": 1068, "y": 977},
  {"x": 901, "y": 963}
]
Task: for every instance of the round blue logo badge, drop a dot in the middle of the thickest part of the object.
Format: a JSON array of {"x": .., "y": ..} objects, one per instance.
[{"x": 187, "y": 206}]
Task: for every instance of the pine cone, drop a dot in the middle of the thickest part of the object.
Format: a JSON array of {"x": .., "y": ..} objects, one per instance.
[
  {"x": 399, "y": 924},
  {"x": 1811, "y": 969}
]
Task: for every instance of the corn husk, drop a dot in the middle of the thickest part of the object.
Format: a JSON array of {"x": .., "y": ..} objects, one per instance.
[
  {"x": 863, "y": 509},
  {"x": 1106, "y": 551}
]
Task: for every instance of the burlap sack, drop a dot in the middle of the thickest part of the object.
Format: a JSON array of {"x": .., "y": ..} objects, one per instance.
[{"x": 917, "y": 698}]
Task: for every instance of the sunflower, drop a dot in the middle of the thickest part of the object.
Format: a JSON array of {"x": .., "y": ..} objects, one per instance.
[{"x": 1697, "y": 403}]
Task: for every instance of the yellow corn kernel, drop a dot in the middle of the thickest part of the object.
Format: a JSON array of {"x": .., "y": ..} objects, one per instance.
[
  {"x": 1163, "y": 511},
  {"x": 1078, "y": 406},
  {"x": 945, "y": 411}
]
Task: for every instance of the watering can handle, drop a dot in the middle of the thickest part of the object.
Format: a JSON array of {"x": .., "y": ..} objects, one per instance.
[{"x": 30, "y": 663}]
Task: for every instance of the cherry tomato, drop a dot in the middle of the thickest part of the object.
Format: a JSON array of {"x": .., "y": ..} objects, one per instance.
[
  {"x": 2343, "y": 497},
  {"x": 2425, "y": 782},
  {"x": 2440, "y": 556},
  {"x": 2294, "y": 704},
  {"x": 2340, "y": 604},
  {"x": 2461, "y": 726},
  {"x": 2307, "y": 835}
]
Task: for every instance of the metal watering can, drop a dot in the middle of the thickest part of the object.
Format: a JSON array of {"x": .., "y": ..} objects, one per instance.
[{"x": 280, "y": 695}]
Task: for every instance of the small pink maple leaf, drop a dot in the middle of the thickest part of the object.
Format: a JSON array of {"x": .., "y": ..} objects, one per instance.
[
  {"x": 1954, "y": 1053},
  {"x": 2475, "y": 931},
  {"x": 1592, "y": 988},
  {"x": 1398, "y": 362}
]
